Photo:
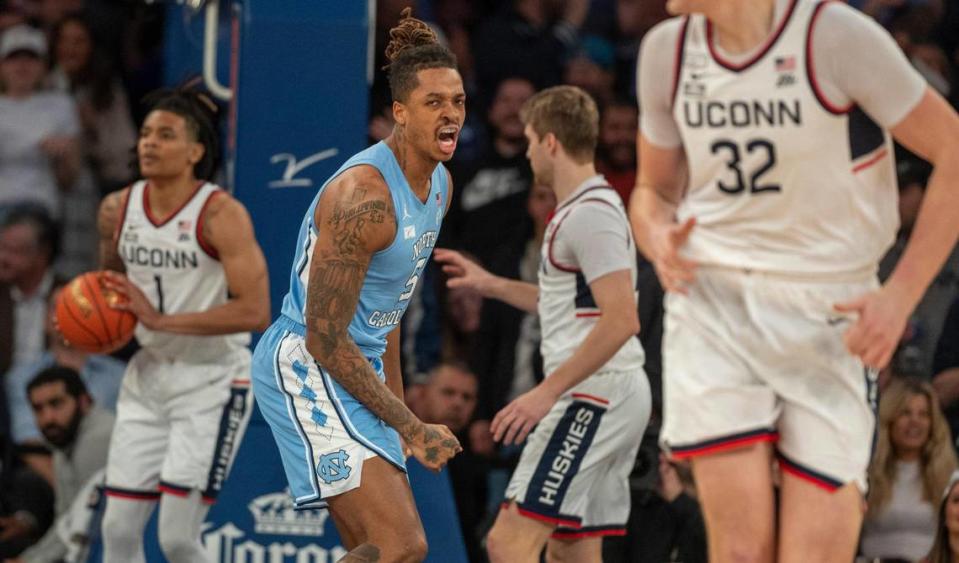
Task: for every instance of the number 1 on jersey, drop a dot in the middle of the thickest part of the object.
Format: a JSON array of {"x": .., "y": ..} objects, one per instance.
[{"x": 159, "y": 282}]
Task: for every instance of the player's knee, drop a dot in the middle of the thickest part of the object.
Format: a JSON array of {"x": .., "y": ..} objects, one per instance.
[
  {"x": 560, "y": 552},
  {"x": 498, "y": 545},
  {"x": 121, "y": 538},
  {"x": 176, "y": 545}
]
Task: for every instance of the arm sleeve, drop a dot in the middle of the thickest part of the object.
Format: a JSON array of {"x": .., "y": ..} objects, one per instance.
[
  {"x": 596, "y": 239},
  {"x": 654, "y": 84},
  {"x": 857, "y": 62}
]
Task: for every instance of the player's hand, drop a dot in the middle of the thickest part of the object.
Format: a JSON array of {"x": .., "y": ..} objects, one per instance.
[
  {"x": 516, "y": 420},
  {"x": 464, "y": 272},
  {"x": 132, "y": 299},
  {"x": 882, "y": 316},
  {"x": 674, "y": 271},
  {"x": 434, "y": 445}
]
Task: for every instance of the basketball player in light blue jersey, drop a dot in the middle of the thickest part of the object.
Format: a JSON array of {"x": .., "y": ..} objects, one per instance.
[{"x": 327, "y": 373}]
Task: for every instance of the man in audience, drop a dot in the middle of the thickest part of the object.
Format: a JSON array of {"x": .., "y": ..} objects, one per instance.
[
  {"x": 79, "y": 433},
  {"x": 449, "y": 397},
  {"x": 28, "y": 247},
  {"x": 490, "y": 190},
  {"x": 616, "y": 152},
  {"x": 29, "y": 241}
]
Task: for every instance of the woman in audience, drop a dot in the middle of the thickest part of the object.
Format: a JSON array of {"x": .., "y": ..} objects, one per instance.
[
  {"x": 82, "y": 69},
  {"x": 946, "y": 547},
  {"x": 913, "y": 461}
]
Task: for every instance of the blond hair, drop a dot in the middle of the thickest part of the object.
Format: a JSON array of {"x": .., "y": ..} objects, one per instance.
[
  {"x": 937, "y": 460},
  {"x": 570, "y": 114}
]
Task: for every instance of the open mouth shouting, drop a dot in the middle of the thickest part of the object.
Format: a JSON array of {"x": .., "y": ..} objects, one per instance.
[{"x": 446, "y": 136}]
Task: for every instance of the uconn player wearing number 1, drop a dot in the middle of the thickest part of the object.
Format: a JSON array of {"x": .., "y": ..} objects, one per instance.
[
  {"x": 197, "y": 281},
  {"x": 766, "y": 197},
  {"x": 326, "y": 374}
]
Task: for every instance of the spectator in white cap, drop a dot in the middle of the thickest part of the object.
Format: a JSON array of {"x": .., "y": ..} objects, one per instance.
[{"x": 39, "y": 155}]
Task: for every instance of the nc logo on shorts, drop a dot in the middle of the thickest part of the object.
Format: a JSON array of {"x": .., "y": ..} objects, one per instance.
[{"x": 333, "y": 467}]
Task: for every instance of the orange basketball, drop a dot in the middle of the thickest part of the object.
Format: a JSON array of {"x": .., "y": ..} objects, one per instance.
[{"x": 86, "y": 320}]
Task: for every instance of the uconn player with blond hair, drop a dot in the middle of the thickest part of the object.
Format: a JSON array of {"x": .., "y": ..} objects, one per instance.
[
  {"x": 196, "y": 279},
  {"x": 327, "y": 372},
  {"x": 571, "y": 485},
  {"x": 766, "y": 196}
]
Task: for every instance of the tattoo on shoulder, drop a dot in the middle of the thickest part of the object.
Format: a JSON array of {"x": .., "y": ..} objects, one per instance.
[{"x": 348, "y": 219}]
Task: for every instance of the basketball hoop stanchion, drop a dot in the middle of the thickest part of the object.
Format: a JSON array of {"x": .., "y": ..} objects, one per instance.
[{"x": 211, "y": 28}]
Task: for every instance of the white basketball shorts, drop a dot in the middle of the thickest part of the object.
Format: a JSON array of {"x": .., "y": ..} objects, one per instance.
[
  {"x": 756, "y": 357},
  {"x": 574, "y": 470},
  {"x": 179, "y": 426}
]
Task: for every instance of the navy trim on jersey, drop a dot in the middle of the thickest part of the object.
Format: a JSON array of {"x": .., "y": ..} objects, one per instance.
[
  {"x": 234, "y": 411},
  {"x": 872, "y": 397},
  {"x": 549, "y": 249},
  {"x": 291, "y": 410},
  {"x": 678, "y": 63},
  {"x": 167, "y": 487},
  {"x": 809, "y": 474},
  {"x": 770, "y": 42},
  {"x": 584, "y": 296},
  {"x": 811, "y": 67},
  {"x": 561, "y": 459},
  {"x": 865, "y": 135}
]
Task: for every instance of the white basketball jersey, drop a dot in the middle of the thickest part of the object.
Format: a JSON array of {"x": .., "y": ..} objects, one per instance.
[
  {"x": 779, "y": 180},
  {"x": 179, "y": 273},
  {"x": 567, "y": 311}
]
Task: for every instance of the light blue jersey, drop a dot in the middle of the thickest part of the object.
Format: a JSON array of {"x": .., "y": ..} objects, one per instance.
[
  {"x": 323, "y": 433},
  {"x": 393, "y": 271}
]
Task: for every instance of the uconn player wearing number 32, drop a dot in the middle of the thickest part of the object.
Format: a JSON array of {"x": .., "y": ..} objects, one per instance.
[
  {"x": 571, "y": 487},
  {"x": 183, "y": 251},
  {"x": 326, "y": 374},
  {"x": 766, "y": 196}
]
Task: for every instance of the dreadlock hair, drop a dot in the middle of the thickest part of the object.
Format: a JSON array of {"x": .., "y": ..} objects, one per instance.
[
  {"x": 200, "y": 113},
  {"x": 413, "y": 47}
]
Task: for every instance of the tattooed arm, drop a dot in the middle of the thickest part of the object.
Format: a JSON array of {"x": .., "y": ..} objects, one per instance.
[
  {"x": 108, "y": 221},
  {"x": 355, "y": 219}
]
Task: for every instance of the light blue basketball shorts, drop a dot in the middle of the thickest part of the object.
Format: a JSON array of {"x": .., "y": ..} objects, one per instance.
[{"x": 323, "y": 433}]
